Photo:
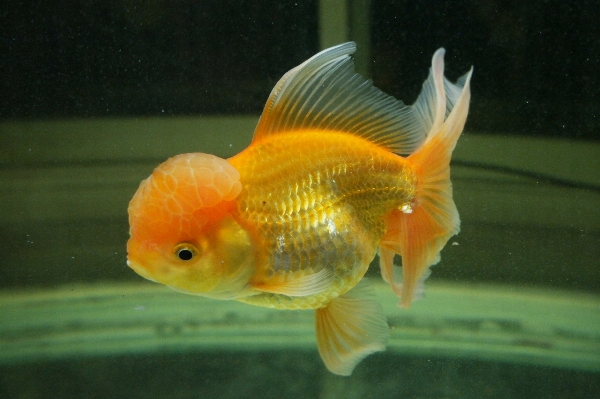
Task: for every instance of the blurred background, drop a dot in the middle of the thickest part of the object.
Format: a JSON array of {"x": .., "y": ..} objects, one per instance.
[
  {"x": 536, "y": 65},
  {"x": 95, "y": 94}
]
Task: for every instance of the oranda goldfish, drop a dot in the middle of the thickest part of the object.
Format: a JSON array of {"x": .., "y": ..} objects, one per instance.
[{"x": 336, "y": 171}]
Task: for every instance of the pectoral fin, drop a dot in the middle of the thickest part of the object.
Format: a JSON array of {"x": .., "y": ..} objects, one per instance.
[
  {"x": 350, "y": 328},
  {"x": 301, "y": 286}
]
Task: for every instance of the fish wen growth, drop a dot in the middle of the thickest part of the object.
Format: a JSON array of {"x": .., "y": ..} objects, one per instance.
[{"x": 336, "y": 171}]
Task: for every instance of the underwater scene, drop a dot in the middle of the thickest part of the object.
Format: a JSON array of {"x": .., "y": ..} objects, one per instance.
[{"x": 312, "y": 199}]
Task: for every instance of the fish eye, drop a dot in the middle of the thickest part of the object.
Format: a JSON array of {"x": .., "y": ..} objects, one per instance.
[{"x": 185, "y": 251}]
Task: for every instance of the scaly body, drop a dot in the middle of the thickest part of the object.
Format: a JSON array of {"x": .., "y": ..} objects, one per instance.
[
  {"x": 321, "y": 214},
  {"x": 336, "y": 171}
]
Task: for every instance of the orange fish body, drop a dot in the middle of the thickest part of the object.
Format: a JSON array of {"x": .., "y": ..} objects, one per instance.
[{"x": 294, "y": 220}]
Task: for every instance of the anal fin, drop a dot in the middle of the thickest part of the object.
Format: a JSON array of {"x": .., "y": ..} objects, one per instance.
[
  {"x": 350, "y": 328},
  {"x": 386, "y": 264},
  {"x": 393, "y": 274}
]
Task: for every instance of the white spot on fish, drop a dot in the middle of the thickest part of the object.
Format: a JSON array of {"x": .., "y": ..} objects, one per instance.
[
  {"x": 334, "y": 185},
  {"x": 280, "y": 243},
  {"x": 331, "y": 227},
  {"x": 406, "y": 208}
]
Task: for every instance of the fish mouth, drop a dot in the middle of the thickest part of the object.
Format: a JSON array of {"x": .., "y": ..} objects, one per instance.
[{"x": 139, "y": 270}]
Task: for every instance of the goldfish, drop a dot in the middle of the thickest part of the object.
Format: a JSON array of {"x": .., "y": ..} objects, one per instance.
[{"x": 336, "y": 173}]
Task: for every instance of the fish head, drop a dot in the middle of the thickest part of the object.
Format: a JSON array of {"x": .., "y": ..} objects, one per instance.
[{"x": 183, "y": 232}]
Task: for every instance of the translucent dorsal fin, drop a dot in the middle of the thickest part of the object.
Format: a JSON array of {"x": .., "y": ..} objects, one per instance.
[
  {"x": 326, "y": 93},
  {"x": 431, "y": 103}
]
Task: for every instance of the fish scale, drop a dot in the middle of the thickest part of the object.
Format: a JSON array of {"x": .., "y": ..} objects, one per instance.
[{"x": 322, "y": 215}]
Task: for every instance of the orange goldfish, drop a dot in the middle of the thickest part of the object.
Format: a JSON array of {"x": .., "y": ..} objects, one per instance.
[{"x": 336, "y": 171}]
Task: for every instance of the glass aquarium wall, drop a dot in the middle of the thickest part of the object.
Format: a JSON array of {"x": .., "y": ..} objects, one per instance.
[{"x": 96, "y": 94}]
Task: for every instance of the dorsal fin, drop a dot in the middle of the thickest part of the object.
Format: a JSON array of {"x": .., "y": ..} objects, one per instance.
[{"x": 326, "y": 93}]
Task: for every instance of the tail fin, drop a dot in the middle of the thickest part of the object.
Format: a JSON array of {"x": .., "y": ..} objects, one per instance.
[{"x": 418, "y": 233}]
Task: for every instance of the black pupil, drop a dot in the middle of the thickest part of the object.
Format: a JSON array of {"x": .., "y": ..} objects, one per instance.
[{"x": 185, "y": 254}]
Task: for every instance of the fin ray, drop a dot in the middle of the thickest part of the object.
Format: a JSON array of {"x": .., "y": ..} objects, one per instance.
[
  {"x": 301, "y": 286},
  {"x": 326, "y": 93},
  {"x": 420, "y": 235},
  {"x": 386, "y": 264},
  {"x": 350, "y": 328}
]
